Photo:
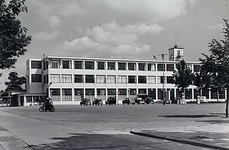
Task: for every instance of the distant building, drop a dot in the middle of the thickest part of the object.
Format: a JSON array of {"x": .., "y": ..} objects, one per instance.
[{"x": 67, "y": 79}]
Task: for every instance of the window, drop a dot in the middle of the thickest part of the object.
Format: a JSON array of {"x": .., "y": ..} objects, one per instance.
[
  {"x": 79, "y": 92},
  {"x": 132, "y": 91},
  {"x": 214, "y": 94},
  {"x": 66, "y": 94},
  {"x": 160, "y": 79},
  {"x": 197, "y": 68},
  {"x": 111, "y": 65},
  {"x": 36, "y": 78},
  {"x": 89, "y": 64},
  {"x": 101, "y": 91},
  {"x": 66, "y": 78},
  {"x": 28, "y": 99},
  {"x": 131, "y": 66},
  {"x": 170, "y": 80},
  {"x": 141, "y": 91},
  {"x": 161, "y": 67},
  {"x": 152, "y": 79},
  {"x": 100, "y": 79},
  {"x": 66, "y": 64},
  {"x": 54, "y": 78},
  {"x": 122, "y": 92},
  {"x": 111, "y": 91},
  {"x": 142, "y": 79},
  {"x": 55, "y": 92},
  {"x": 78, "y": 64},
  {"x": 78, "y": 78},
  {"x": 170, "y": 67},
  {"x": 121, "y": 66},
  {"x": 151, "y": 67},
  {"x": 188, "y": 93},
  {"x": 122, "y": 79},
  {"x": 89, "y": 79},
  {"x": 55, "y": 64},
  {"x": 101, "y": 65},
  {"x": 141, "y": 66},
  {"x": 131, "y": 79},
  {"x": 89, "y": 92},
  {"x": 111, "y": 79},
  {"x": 35, "y": 64}
]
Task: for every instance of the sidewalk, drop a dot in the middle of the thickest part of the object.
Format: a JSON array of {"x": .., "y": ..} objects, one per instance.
[
  {"x": 10, "y": 142},
  {"x": 214, "y": 136}
]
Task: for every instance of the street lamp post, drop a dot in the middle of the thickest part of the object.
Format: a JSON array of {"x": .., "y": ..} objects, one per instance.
[{"x": 163, "y": 78}]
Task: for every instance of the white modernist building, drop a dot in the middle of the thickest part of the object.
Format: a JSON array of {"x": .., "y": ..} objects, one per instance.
[{"x": 67, "y": 79}]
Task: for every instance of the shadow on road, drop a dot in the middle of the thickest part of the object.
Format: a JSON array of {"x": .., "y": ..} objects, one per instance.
[
  {"x": 221, "y": 115},
  {"x": 85, "y": 141},
  {"x": 188, "y": 116}
]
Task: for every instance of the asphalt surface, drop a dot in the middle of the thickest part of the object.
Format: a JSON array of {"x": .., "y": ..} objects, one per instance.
[{"x": 115, "y": 127}]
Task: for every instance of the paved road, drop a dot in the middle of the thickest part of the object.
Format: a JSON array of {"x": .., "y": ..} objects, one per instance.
[{"x": 104, "y": 127}]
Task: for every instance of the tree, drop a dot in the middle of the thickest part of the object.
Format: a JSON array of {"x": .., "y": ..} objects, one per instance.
[
  {"x": 216, "y": 64},
  {"x": 15, "y": 82},
  {"x": 13, "y": 37},
  {"x": 183, "y": 76}
]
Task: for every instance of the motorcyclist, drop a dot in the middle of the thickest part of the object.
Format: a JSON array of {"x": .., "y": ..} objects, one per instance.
[{"x": 48, "y": 104}]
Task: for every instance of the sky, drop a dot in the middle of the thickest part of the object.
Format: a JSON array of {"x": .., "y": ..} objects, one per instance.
[{"x": 136, "y": 29}]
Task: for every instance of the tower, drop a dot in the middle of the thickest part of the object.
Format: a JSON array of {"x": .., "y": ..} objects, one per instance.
[{"x": 176, "y": 53}]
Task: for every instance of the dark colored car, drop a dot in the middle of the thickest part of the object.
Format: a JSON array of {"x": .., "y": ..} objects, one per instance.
[
  {"x": 111, "y": 101},
  {"x": 85, "y": 101},
  {"x": 126, "y": 101},
  {"x": 149, "y": 100},
  {"x": 138, "y": 100},
  {"x": 97, "y": 101}
]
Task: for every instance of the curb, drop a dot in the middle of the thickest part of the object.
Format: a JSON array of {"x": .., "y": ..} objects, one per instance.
[{"x": 185, "y": 141}]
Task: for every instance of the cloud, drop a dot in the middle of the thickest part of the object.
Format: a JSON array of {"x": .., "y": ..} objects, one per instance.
[
  {"x": 53, "y": 21},
  {"x": 114, "y": 34},
  {"x": 122, "y": 10},
  {"x": 45, "y": 36}
]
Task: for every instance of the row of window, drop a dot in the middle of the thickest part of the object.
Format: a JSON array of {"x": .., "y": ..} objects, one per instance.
[
  {"x": 109, "y": 79},
  {"x": 124, "y": 92},
  {"x": 67, "y": 64}
]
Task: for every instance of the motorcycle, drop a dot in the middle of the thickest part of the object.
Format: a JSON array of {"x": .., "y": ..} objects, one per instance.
[{"x": 43, "y": 108}]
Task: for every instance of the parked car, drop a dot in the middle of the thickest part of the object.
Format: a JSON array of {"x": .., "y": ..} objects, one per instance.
[
  {"x": 149, "y": 100},
  {"x": 111, "y": 101},
  {"x": 126, "y": 101},
  {"x": 85, "y": 101},
  {"x": 139, "y": 100},
  {"x": 97, "y": 101}
]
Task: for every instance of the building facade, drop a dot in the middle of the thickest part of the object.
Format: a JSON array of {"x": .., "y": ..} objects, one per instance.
[{"x": 67, "y": 79}]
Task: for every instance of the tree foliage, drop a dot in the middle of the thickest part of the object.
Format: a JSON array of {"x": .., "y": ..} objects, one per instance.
[
  {"x": 15, "y": 82},
  {"x": 183, "y": 76},
  {"x": 215, "y": 68},
  {"x": 216, "y": 65},
  {"x": 13, "y": 37}
]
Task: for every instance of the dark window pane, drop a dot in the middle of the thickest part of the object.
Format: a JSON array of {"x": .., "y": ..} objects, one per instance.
[
  {"x": 78, "y": 64},
  {"x": 36, "y": 64}
]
